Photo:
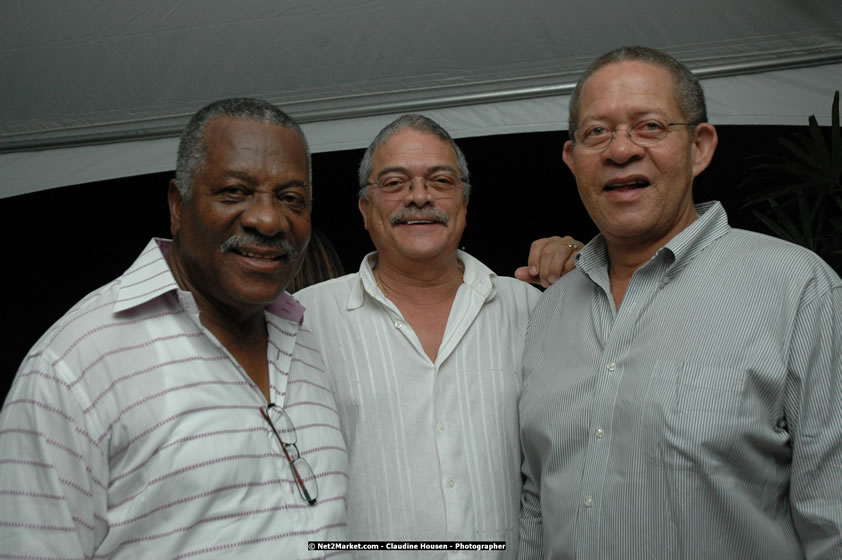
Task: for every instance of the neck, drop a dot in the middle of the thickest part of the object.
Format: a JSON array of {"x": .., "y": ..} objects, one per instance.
[
  {"x": 227, "y": 323},
  {"x": 419, "y": 283},
  {"x": 624, "y": 261},
  {"x": 626, "y": 255},
  {"x": 241, "y": 330}
]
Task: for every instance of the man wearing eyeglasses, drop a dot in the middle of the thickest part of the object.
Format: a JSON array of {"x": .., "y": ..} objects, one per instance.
[
  {"x": 181, "y": 410},
  {"x": 683, "y": 386},
  {"x": 424, "y": 344}
]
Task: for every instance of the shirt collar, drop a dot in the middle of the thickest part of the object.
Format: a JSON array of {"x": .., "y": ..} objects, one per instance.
[
  {"x": 476, "y": 276},
  {"x": 711, "y": 224},
  {"x": 150, "y": 277}
]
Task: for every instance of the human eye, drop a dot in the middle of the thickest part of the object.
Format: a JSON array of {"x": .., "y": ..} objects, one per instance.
[
  {"x": 392, "y": 184},
  {"x": 445, "y": 181},
  {"x": 594, "y": 135},
  {"x": 650, "y": 128},
  {"x": 232, "y": 193},
  {"x": 293, "y": 199}
]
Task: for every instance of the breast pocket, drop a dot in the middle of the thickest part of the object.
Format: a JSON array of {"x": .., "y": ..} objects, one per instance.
[{"x": 694, "y": 414}]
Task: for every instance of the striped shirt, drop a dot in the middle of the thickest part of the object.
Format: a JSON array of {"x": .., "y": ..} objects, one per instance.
[
  {"x": 703, "y": 419},
  {"x": 130, "y": 432},
  {"x": 433, "y": 445}
]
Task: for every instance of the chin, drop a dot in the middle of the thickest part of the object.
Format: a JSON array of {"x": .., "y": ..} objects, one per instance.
[{"x": 257, "y": 297}]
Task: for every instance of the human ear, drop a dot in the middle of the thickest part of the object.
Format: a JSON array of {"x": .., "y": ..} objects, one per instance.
[
  {"x": 174, "y": 200},
  {"x": 362, "y": 204},
  {"x": 705, "y": 141}
]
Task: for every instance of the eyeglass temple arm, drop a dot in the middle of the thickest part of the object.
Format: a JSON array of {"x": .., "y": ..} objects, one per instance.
[{"x": 295, "y": 473}]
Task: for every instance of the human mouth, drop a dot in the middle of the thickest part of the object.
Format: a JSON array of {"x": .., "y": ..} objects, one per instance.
[
  {"x": 627, "y": 183},
  {"x": 252, "y": 255}
]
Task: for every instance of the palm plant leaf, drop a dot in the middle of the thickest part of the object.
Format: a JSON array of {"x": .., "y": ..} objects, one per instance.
[{"x": 799, "y": 192}]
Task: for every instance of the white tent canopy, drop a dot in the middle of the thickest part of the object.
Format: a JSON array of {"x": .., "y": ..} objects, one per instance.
[{"x": 97, "y": 89}]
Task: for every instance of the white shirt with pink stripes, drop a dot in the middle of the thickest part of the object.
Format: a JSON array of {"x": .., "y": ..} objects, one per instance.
[{"x": 130, "y": 432}]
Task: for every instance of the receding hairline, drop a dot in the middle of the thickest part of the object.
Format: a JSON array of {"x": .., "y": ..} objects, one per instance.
[
  {"x": 425, "y": 133},
  {"x": 670, "y": 76},
  {"x": 686, "y": 88}
]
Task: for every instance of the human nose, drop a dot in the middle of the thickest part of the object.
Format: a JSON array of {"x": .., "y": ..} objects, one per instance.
[
  {"x": 265, "y": 215},
  {"x": 621, "y": 148},
  {"x": 418, "y": 192}
]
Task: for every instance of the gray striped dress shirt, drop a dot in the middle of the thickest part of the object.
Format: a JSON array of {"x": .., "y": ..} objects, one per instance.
[{"x": 702, "y": 419}]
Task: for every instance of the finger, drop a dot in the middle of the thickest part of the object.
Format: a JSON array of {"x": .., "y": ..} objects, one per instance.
[
  {"x": 570, "y": 263},
  {"x": 556, "y": 253},
  {"x": 552, "y": 264},
  {"x": 536, "y": 250},
  {"x": 522, "y": 273}
]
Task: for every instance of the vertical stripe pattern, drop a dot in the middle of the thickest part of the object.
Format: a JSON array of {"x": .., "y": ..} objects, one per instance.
[
  {"x": 433, "y": 446},
  {"x": 701, "y": 420}
]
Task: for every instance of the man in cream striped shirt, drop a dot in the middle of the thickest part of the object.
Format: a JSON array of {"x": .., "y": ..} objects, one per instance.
[
  {"x": 424, "y": 345},
  {"x": 683, "y": 386}
]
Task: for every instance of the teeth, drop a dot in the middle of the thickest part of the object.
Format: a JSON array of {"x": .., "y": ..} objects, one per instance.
[
  {"x": 629, "y": 184},
  {"x": 413, "y": 222},
  {"x": 253, "y": 256}
]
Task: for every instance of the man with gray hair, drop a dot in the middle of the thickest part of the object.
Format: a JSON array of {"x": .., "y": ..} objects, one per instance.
[
  {"x": 424, "y": 346},
  {"x": 683, "y": 385},
  {"x": 181, "y": 410}
]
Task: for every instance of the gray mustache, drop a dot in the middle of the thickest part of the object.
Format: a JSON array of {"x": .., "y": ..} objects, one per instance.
[
  {"x": 240, "y": 240},
  {"x": 423, "y": 212}
]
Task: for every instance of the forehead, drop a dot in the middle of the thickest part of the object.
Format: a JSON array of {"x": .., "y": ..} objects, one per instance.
[
  {"x": 414, "y": 150},
  {"x": 253, "y": 146},
  {"x": 628, "y": 88}
]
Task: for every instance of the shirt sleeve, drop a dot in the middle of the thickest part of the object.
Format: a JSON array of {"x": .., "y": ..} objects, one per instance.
[
  {"x": 53, "y": 476},
  {"x": 531, "y": 546},
  {"x": 814, "y": 418},
  {"x": 531, "y": 523}
]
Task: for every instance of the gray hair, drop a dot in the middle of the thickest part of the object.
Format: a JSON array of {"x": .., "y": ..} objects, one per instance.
[
  {"x": 687, "y": 89},
  {"x": 419, "y": 123},
  {"x": 192, "y": 149}
]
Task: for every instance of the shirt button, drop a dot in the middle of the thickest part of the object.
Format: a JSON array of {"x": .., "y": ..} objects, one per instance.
[
  {"x": 588, "y": 501},
  {"x": 442, "y": 427},
  {"x": 451, "y": 483},
  {"x": 599, "y": 433},
  {"x": 612, "y": 366},
  {"x": 398, "y": 324}
]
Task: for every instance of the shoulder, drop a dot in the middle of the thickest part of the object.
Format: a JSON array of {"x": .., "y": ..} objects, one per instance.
[
  {"x": 506, "y": 287},
  {"x": 327, "y": 291},
  {"x": 514, "y": 288},
  {"x": 326, "y": 301},
  {"x": 90, "y": 314},
  {"x": 768, "y": 259}
]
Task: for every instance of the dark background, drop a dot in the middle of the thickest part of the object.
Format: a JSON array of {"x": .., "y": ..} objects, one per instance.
[{"x": 63, "y": 243}]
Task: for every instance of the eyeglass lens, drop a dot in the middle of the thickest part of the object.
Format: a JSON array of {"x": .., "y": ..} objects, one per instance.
[
  {"x": 302, "y": 472},
  {"x": 437, "y": 187}
]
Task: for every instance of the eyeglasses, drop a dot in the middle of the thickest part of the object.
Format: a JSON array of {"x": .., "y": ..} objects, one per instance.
[
  {"x": 645, "y": 133},
  {"x": 302, "y": 472},
  {"x": 440, "y": 185}
]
